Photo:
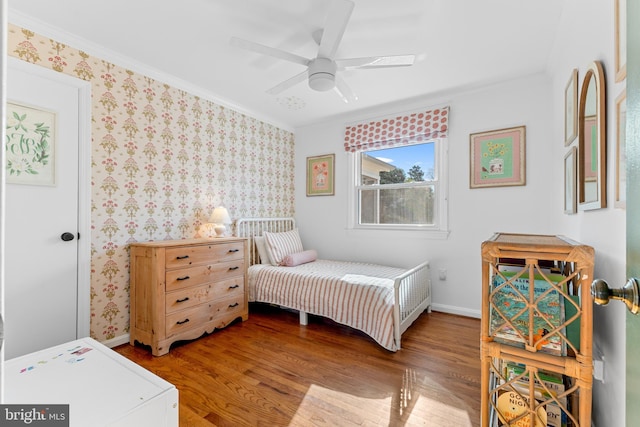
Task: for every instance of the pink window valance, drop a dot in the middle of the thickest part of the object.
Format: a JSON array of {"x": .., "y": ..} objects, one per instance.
[{"x": 401, "y": 130}]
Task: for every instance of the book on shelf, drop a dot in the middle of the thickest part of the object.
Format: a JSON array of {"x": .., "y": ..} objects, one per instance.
[
  {"x": 512, "y": 409},
  {"x": 548, "y": 387},
  {"x": 512, "y": 398},
  {"x": 554, "y": 382},
  {"x": 509, "y": 315},
  {"x": 573, "y": 328}
]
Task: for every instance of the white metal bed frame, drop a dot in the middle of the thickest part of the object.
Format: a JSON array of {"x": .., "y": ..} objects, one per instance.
[{"x": 412, "y": 289}]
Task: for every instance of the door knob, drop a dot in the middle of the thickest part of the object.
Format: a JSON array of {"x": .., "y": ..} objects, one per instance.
[
  {"x": 629, "y": 294},
  {"x": 66, "y": 236}
]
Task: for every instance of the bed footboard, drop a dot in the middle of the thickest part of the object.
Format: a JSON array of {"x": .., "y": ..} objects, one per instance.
[{"x": 412, "y": 296}]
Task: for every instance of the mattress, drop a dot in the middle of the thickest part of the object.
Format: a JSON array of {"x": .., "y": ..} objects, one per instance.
[{"x": 359, "y": 295}]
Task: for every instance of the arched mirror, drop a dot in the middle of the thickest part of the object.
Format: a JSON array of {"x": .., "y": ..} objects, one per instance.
[{"x": 592, "y": 141}]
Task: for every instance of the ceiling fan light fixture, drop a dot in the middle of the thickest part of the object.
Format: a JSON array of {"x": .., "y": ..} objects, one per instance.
[
  {"x": 321, "y": 71},
  {"x": 322, "y": 82},
  {"x": 322, "y": 74}
]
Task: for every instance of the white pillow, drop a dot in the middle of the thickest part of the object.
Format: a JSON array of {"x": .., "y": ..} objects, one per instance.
[
  {"x": 263, "y": 251},
  {"x": 282, "y": 244}
]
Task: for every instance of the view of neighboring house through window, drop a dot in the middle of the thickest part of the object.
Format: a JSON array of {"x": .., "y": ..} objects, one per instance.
[{"x": 401, "y": 186}]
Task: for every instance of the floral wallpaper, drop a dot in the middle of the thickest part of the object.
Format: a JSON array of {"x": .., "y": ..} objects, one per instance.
[{"x": 162, "y": 159}]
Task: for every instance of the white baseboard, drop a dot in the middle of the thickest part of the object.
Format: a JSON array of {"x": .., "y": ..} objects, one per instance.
[
  {"x": 114, "y": 342},
  {"x": 456, "y": 310}
]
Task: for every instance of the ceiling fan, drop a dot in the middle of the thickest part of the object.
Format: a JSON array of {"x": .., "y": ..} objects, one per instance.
[{"x": 322, "y": 71}]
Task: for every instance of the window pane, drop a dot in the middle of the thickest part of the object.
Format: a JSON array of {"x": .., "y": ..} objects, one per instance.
[
  {"x": 401, "y": 186},
  {"x": 369, "y": 206},
  {"x": 406, "y": 163},
  {"x": 410, "y": 206}
]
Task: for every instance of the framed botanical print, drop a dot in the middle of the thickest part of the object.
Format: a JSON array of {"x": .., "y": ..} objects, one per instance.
[
  {"x": 570, "y": 181},
  {"x": 621, "y": 158},
  {"x": 620, "y": 40},
  {"x": 497, "y": 158},
  {"x": 321, "y": 175},
  {"x": 571, "y": 109},
  {"x": 30, "y": 145}
]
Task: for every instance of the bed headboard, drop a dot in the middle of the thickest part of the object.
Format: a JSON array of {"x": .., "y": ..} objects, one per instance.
[{"x": 250, "y": 227}]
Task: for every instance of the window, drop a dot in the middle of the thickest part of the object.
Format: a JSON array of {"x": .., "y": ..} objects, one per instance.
[
  {"x": 399, "y": 172},
  {"x": 401, "y": 187}
]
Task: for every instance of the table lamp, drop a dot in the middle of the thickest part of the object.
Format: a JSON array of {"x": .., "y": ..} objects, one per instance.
[{"x": 220, "y": 218}]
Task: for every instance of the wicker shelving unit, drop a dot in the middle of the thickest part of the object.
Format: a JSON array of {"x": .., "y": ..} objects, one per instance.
[{"x": 554, "y": 275}]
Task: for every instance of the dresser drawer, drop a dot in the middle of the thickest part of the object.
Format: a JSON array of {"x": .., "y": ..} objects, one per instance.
[
  {"x": 201, "y": 274},
  {"x": 194, "y": 317},
  {"x": 188, "y": 297},
  {"x": 228, "y": 306},
  {"x": 201, "y": 254},
  {"x": 190, "y": 318},
  {"x": 233, "y": 287}
]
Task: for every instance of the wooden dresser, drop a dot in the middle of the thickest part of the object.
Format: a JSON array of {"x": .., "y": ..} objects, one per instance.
[{"x": 181, "y": 289}]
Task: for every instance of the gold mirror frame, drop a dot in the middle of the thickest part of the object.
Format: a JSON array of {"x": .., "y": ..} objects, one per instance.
[{"x": 592, "y": 140}]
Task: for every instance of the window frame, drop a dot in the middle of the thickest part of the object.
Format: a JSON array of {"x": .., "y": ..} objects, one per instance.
[{"x": 438, "y": 230}]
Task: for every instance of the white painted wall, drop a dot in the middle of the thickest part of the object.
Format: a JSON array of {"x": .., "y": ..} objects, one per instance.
[
  {"x": 588, "y": 35},
  {"x": 474, "y": 215},
  {"x": 536, "y": 102}
]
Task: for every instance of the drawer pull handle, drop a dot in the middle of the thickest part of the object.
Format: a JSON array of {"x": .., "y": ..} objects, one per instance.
[
  {"x": 233, "y": 250},
  {"x": 233, "y": 268},
  {"x": 235, "y": 304},
  {"x": 182, "y": 322},
  {"x": 183, "y": 299},
  {"x": 234, "y": 286},
  {"x": 183, "y": 278},
  {"x": 182, "y": 257}
]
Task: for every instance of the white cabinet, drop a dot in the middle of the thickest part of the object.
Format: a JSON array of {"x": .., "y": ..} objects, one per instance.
[{"x": 101, "y": 387}]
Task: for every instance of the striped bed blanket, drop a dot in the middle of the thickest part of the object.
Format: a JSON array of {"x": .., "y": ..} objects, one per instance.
[{"x": 358, "y": 295}]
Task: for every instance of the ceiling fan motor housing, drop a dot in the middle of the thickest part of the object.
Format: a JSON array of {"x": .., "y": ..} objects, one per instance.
[{"x": 322, "y": 74}]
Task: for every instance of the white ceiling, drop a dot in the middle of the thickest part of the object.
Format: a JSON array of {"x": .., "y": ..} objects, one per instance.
[{"x": 461, "y": 44}]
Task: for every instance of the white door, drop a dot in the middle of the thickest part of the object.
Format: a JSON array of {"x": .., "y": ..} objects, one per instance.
[
  {"x": 43, "y": 289},
  {"x": 632, "y": 325}
]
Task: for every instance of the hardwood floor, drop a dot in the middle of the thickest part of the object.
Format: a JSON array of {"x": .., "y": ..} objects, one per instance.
[{"x": 270, "y": 371}]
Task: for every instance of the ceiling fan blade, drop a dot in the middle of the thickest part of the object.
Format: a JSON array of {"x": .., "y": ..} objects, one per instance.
[
  {"x": 270, "y": 51},
  {"x": 376, "y": 62},
  {"x": 334, "y": 27},
  {"x": 345, "y": 92},
  {"x": 300, "y": 77}
]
